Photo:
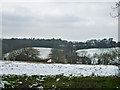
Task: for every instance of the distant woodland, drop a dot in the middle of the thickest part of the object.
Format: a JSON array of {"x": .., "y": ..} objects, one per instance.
[{"x": 15, "y": 43}]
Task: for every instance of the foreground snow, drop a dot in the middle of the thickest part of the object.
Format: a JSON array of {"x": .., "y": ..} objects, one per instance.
[{"x": 19, "y": 68}]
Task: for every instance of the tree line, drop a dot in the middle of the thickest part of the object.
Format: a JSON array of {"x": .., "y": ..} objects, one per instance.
[
  {"x": 112, "y": 56},
  {"x": 16, "y": 43}
]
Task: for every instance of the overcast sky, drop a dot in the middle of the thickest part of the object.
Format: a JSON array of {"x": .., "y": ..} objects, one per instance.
[{"x": 70, "y": 21}]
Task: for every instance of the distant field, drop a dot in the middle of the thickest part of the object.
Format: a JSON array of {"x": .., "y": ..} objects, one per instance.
[
  {"x": 44, "y": 52},
  {"x": 92, "y": 51}
]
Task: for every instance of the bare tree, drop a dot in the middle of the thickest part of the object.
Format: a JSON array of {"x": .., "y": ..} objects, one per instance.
[
  {"x": 116, "y": 10},
  {"x": 26, "y": 54}
]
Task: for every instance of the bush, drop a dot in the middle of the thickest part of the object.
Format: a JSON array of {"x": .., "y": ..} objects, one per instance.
[
  {"x": 110, "y": 57},
  {"x": 26, "y": 54}
]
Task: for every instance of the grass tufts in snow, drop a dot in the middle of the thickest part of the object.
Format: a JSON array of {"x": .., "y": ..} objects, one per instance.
[{"x": 59, "y": 81}]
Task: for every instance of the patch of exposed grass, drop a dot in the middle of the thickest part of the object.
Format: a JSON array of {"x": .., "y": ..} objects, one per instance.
[{"x": 59, "y": 81}]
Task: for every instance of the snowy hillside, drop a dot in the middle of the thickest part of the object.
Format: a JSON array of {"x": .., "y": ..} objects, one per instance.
[
  {"x": 92, "y": 51},
  {"x": 44, "y": 52},
  {"x": 19, "y": 68}
]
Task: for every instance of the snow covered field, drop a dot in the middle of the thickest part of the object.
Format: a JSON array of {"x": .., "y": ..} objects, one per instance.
[
  {"x": 19, "y": 68},
  {"x": 44, "y": 52},
  {"x": 98, "y": 51}
]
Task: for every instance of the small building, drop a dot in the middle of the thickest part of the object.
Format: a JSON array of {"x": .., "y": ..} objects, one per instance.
[{"x": 50, "y": 61}]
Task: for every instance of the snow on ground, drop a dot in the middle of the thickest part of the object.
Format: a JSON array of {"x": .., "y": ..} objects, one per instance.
[
  {"x": 44, "y": 52},
  {"x": 92, "y": 51},
  {"x": 19, "y": 68}
]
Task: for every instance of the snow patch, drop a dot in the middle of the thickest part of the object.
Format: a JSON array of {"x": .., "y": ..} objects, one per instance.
[{"x": 20, "y": 68}]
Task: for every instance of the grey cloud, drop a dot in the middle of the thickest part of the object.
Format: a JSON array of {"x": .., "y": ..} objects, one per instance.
[
  {"x": 75, "y": 21},
  {"x": 14, "y": 19}
]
